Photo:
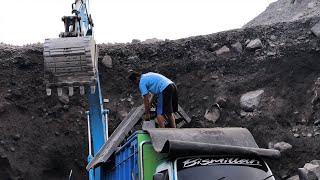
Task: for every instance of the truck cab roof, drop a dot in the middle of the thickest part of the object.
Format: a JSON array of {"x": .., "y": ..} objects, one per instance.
[{"x": 208, "y": 141}]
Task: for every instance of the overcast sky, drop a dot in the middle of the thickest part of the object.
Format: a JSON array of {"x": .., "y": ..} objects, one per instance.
[{"x": 24, "y": 22}]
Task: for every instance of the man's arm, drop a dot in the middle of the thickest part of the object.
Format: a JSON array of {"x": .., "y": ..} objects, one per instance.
[{"x": 146, "y": 106}]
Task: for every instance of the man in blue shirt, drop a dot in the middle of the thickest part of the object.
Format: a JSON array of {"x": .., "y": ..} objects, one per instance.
[{"x": 166, "y": 91}]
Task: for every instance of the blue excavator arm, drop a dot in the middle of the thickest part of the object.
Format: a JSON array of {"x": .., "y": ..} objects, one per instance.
[{"x": 71, "y": 61}]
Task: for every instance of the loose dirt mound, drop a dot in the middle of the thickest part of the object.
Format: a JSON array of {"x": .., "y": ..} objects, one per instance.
[{"x": 43, "y": 138}]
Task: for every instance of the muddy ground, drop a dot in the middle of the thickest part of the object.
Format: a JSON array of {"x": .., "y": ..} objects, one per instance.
[{"x": 44, "y": 138}]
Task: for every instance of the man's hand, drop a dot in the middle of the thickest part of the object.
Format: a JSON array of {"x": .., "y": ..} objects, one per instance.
[{"x": 146, "y": 117}]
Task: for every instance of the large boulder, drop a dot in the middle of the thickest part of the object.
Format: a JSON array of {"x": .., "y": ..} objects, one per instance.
[
  {"x": 250, "y": 100},
  {"x": 254, "y": 44},
  {"x": 316, "y": 29},
  {"x": 223, "y": 50},
  {"x": 107, "y": 61}
]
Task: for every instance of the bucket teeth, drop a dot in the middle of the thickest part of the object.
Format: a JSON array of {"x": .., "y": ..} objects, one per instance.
[
  {"x": 81, "y": 90},
  {"x": 59, "y": 90},
  {"x": 48, "y": 92},
  {"x": 70, "y": 91},
  {"x": 93, "y": 89}
]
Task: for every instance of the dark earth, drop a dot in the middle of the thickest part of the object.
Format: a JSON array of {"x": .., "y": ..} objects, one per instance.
[{"x": 44, "y": 138}]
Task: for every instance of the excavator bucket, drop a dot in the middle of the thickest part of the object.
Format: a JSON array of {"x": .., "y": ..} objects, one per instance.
[{"x": 70, "y": 62}]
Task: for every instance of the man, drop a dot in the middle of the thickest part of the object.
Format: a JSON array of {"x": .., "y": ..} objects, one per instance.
[{"x": 166, "y": 91}]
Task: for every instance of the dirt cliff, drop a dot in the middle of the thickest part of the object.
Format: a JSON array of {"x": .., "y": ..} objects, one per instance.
[{"x": 44, "y": 138}]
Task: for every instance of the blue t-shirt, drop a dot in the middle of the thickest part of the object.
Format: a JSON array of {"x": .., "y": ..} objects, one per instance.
[{"x": 153, "y": 82}]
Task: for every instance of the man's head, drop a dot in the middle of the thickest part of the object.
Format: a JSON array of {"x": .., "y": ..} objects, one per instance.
[{"x": 135, "y": 77}]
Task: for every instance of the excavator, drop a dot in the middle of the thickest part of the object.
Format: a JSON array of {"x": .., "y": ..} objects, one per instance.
[{"x": 71, "y": 65}]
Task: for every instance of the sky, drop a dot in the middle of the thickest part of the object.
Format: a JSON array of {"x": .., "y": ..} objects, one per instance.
[{"x": 25, "y": 22}]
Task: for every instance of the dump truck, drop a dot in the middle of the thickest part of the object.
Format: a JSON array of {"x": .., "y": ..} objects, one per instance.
[{"x": 184, "y": 154}]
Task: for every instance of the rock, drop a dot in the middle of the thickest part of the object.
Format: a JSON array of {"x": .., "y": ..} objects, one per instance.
[
  {"x": 16, "y": 137},
  {"x": 313, "y": 171},
  {"x": 205, "y": 98},
  {"x": 237, "y": 46},
  {"x": 311, "y": 5},
  {"x": 271, "y": 54},
  {"x": 12, "y": 149},
  {"x": 135, "y": 41},
  {"x": 250, "y": 100},
  {"x": 212, "y": 114},
  {"x": 129, "y": 99},
  {"x": 315, "y": 162},
  {"x": 123, "y": 113},
  {"x": 107, "y": 61},
  {"x": 309, "y": 166},
  {"x": 272, "y": 45},
  {"x": 214, "y": 76},
  {"x": 223, "y": 50},
  {"x": 316, "y": 29},
  {"x": 64, "y": 98},
  {"x": 254, "y": 44},
  {"x": 65, "y": 107},
  {"x": 243, "y": 113},
  {"x": 133, "y": 59},
  {"x": 282, "y": 146},
  {"x": 212, "y": 47},
  {"x": 153, "y": 40},
  {"x": 273, "y": 38}
]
